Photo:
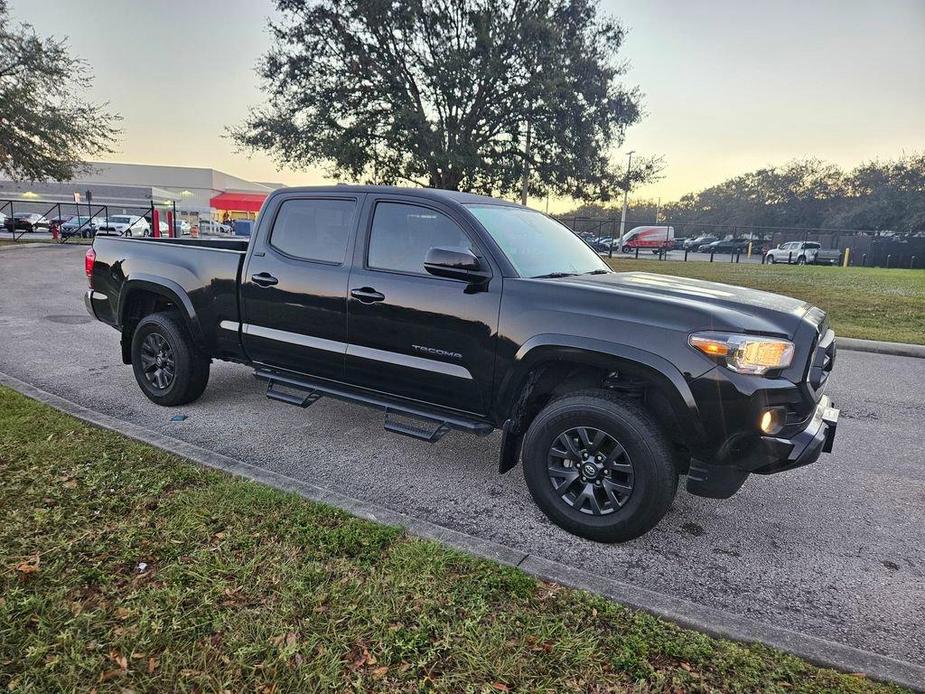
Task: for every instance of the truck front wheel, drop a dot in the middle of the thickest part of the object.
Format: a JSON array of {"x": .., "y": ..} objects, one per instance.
[
  {"x": 168, "y": 367},
  {"x": 599, "y": 467}
]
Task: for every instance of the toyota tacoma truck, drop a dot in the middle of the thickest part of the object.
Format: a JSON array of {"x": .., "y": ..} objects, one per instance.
[{"x": 451, "y": 311}]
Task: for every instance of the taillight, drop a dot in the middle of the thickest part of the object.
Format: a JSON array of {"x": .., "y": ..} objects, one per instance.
[{"x": 89, "y": 259}]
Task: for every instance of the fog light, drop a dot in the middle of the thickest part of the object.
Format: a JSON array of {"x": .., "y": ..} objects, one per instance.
[{"x": 772, "y": 420}]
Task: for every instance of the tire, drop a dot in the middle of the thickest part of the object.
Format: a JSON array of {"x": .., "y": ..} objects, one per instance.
[
  {"x": 627, "y": 249},
  {"x": 652, "y": 476},
  {"x": 772, "y": 260},
  {"x": 801, "y": 260},
  {"x": 171, "y": 342}
]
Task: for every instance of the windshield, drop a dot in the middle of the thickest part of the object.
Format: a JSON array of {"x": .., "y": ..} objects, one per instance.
[
  {"x": 120, "y": 220},
  {"x": 537, "y": 245}
]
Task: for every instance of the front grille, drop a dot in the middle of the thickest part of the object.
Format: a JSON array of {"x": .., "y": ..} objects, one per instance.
[{"x": 821, "y": 363}]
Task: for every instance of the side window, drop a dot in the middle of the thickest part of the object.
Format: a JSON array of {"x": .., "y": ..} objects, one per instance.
[
  {"x": 313, "y": 229},
  {"x": 402, "y": 234}
]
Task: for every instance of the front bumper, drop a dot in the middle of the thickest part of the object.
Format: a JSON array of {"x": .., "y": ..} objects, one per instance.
[{"x": 764, "y": 455}]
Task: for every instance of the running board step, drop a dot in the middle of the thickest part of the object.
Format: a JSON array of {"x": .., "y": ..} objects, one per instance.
[
  {"x": 431, "y": 434},
  {"x": 434, "y": 422},
  {"x": 274, "y": 393}
]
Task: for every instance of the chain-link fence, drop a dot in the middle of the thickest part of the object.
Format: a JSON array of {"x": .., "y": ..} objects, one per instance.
[
  {"x": 70, "y": 222},
  {"x": 682, "y": 240}
]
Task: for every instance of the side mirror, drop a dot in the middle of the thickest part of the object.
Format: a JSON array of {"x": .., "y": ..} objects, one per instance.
[{"x": 455, "y": 263}]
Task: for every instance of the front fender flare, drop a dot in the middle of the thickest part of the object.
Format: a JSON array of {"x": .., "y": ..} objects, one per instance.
[{"x": 556, "y": 347}]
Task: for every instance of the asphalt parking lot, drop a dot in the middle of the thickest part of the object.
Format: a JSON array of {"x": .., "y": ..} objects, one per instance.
[{"x": 835, "y": 550}]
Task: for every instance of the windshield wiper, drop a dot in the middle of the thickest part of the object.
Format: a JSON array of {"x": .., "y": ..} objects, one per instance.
[
  {"x": 553, "y": 275},
  {"x": 597, "y": 272}
]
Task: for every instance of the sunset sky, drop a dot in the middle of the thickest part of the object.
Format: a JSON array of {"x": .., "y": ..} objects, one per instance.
[{"x": 729, "y": 86}]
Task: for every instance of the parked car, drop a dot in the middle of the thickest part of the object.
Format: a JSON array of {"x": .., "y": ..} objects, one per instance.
[
  {"x": 210, "y": 226},
  {"x": 25, "y": 221},
  {"x": 60, "y": 221},
  {"x": 126, "y": 225},
  {"x": 451, "y": 311},
  {"x": 601, "y": 244},
  {"x": 181, "y": 227},
  {"x": 695, "y": 243},
  {"x": 725, "y": 246},
  {"x": 803, "y": 253},
  {"x": 85, "y": 227}
]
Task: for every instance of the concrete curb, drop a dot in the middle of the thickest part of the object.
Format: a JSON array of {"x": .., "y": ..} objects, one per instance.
[
  {"x": 683, "y": 612},
  {"x": 900, "y": 349}
]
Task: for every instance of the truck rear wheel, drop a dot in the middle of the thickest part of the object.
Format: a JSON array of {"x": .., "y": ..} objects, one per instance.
[
  {"x": 168, "y": 367},
  {"x": 599, "y": 467}
]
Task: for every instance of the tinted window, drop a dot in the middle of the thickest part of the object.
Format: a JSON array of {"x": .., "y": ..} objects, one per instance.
[
  {"x": 535, "y": 244},
  {"x": 313, "y": 229},
  {"x": 402, "y": 234}
]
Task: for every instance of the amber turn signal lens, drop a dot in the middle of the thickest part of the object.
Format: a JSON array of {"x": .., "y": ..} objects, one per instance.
[{"x": 709, "y": 346}]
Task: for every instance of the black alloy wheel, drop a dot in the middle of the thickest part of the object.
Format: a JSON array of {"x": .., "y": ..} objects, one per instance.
[
  {"x": 158, "y": 361},
  {"x": 590, "y": 471},
  {"x": 168, "y": 366},
  {"x": 599, "y": 466}
]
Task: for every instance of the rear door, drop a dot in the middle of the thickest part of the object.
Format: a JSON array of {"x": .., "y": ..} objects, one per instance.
[
  {"x": 294, "y": 285},
  {"x": 413, "y": 334}
]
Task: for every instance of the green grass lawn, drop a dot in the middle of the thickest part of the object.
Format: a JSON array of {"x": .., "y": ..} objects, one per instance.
[
  {"x": 125, "y": 568},
  {"x": 869, "y": 303}
]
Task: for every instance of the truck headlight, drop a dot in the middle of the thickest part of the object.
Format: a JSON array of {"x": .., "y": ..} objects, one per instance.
[{"x": 747, "y": 354}]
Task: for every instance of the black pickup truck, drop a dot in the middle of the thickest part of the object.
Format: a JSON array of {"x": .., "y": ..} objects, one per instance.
[{"x": 451, "y": 311}]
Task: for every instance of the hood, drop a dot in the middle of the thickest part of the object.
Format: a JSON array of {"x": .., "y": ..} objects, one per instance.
[{"x": 723, "y": 306}]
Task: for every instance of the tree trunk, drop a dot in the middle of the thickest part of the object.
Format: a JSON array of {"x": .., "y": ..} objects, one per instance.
[{"x": 445, "y": 180}]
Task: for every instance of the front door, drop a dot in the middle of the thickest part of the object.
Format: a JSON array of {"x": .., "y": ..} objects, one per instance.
[
  {"x": 410, "y": 333},
  {"x": 294, "y": 286}
]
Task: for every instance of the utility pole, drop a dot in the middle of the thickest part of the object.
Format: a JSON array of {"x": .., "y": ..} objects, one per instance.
[
  {"x": 523, "y": 190},
  {"x": 626, "y": 190}
]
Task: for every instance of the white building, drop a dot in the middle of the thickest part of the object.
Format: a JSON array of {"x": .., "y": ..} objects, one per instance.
[{"x": 196, "y": 192}]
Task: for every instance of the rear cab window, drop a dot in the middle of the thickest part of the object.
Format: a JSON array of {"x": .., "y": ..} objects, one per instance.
[{"x": 313, "y": 229}]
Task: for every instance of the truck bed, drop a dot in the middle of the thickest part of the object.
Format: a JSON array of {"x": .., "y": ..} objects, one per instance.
[
  {"x": 233, "y": 244},
  {"x": 201, "y": 276}
]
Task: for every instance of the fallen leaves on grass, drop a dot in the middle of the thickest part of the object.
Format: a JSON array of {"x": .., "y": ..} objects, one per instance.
[{"x": 30, "y": 566}]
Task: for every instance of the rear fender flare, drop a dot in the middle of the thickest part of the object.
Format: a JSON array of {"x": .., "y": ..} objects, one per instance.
[{"x": 169, "y": 290}]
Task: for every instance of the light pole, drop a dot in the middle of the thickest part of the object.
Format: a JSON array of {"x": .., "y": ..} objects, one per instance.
[
  {"x": 626, "y": 190},
  {"x": 526, "y": 178}
]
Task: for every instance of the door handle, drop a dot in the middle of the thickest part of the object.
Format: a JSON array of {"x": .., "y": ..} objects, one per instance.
[
  {"x": 367, "y": 295},
  {"x": 264, "y": 279}
]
